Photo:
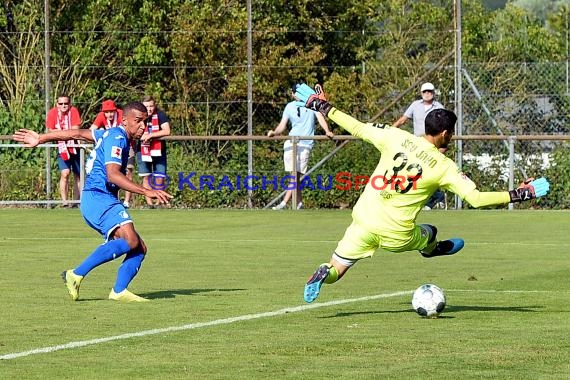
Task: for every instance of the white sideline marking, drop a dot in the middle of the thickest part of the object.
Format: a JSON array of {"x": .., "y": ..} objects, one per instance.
[
  {"x": 247, "y": 317},
  {"x": 192, "y": 326}
]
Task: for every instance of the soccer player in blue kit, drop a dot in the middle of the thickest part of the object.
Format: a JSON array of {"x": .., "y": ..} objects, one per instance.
[{"x": 100, "y": 206}]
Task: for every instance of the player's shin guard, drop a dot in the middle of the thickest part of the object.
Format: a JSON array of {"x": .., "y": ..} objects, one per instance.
[
  {"x": 102, "y": 254},
  {"x": 439, "y": 248},
  {"x": 431, "y": 232},
  {"x": 128, "y": 270}
]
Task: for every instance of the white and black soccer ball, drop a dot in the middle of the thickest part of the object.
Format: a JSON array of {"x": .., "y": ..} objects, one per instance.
[{"x": 428, "y": 301}]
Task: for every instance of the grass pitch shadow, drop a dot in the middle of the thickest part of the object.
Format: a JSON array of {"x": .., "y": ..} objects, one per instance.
[
  {"x": 173, "y": 293},
  {"x": 514, "y": 309},
  {"x": 448, "y": 309}
]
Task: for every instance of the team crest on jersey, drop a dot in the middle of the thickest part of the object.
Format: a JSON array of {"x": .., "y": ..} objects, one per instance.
[
  {"x": 116, "y": 152},
  {"x": 124, "y": 215}
]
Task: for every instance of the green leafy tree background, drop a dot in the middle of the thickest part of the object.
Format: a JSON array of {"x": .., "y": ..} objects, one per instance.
[{"x": 192, "y": 57}]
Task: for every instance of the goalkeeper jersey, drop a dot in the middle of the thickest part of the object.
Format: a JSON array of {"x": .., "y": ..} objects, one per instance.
[{"x": 409, "y": 171}]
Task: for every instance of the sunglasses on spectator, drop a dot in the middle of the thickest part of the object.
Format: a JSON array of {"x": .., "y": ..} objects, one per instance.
[
  {"x": 63, "y": 104},
  {"x": 427, "y": 91}
]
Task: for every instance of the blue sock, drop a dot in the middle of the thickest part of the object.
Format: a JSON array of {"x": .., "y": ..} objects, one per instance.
[
  {"x": 128, "y": 270},
  {"x": 105, "y": 252}
]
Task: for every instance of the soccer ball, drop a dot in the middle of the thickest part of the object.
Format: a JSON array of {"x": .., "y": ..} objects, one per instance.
[{"x": 428, "y": 301}]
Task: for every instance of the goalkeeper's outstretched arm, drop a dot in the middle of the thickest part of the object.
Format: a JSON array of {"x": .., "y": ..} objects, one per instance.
[{"x": 529, "y": 189}]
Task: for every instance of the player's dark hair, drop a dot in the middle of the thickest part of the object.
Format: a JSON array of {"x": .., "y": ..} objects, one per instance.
[
  {"x": 138, "y": 106},
  {"x": 439, "y": 120}
]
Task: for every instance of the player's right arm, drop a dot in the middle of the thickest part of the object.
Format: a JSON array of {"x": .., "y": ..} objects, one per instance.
[
  {"x": 525, "y": 192},
  {"x": 114, "y": 175},
  {"x": 31, "y": 138},
  {"x": 461, "y": 185}
]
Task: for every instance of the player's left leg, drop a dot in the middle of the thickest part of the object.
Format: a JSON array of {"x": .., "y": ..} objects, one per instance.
[
  {"x": 72, "y": 283},
  {"x": 357, "y": 243},
  {"x": 127, "y": 271},
  {"x": 129, "y": 268},
  {"x": 429, "y": 246},
  {"x": 94, "y": 208},
  {"x": 327, "y": 273}
]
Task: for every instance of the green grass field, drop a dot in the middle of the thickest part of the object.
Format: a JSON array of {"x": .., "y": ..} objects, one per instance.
[{"x": 226, "y": 290}]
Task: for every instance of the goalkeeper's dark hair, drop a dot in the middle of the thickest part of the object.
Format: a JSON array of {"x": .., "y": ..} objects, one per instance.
[
  {"x": 439, "y": 120},
  {"x": 134, "y": 106}
]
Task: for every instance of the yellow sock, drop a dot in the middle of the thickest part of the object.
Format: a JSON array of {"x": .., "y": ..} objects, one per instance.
[{"x": 332, "y": 276}]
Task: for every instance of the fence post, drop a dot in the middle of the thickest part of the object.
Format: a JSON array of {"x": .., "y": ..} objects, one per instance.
[
  {"x": 511, "y": 140},
  {"x": 295, "y": 140},
  {"x": 48, "y": 176}
]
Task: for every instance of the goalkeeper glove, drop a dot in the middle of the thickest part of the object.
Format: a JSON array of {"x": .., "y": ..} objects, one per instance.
[
  {"x": 530, "y": 189},
  {"x": 314, "y": 100}
]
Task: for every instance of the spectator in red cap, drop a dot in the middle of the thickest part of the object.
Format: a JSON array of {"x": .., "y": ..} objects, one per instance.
[{"x": 110, "y": 117}]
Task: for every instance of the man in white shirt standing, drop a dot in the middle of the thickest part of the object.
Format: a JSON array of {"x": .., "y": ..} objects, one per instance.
[{"x": 417, "y": 112}]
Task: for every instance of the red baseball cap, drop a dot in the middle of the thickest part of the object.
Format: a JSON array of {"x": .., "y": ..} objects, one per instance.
[{"x": 108, "y": 105}]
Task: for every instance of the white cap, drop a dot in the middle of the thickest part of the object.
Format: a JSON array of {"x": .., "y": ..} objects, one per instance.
[{"x": 427, "y": 87}]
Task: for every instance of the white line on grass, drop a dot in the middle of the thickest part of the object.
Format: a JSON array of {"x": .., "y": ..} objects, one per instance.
[
  {"x": 192, "y": 326},
  {"x": 247, "y": 317}
]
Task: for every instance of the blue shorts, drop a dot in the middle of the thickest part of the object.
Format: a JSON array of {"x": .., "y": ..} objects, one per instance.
[
  {"x": 157, "y": 166},
  {"x": 103, "y": 212},
  {"x": 73, "y": 164}
]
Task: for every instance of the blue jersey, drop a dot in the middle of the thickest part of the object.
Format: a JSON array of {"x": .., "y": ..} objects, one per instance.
[{"x": 111, "y": 147}]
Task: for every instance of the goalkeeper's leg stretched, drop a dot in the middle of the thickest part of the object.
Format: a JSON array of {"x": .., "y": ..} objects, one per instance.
[{"x": 358, "y": 243}]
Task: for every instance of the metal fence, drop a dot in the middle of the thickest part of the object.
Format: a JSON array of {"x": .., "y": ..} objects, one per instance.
[
  {"x": 343, "y": 159},
  {"x": 499, "y": 100}
]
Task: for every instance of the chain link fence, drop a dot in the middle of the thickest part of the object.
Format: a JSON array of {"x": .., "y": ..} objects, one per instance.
[{"x": 510, "y": 99}]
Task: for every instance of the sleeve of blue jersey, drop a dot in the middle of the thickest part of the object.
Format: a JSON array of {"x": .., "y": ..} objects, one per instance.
[{"x": 114, "y": 144}]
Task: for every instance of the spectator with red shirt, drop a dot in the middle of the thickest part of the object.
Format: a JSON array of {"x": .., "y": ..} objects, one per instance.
[
  {"x": 109, "y": 117},
  {"x": 63, "y": 117}
]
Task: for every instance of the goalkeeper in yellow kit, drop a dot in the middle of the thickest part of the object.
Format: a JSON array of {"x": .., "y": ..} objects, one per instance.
[{"x": 410, "y": 170}]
